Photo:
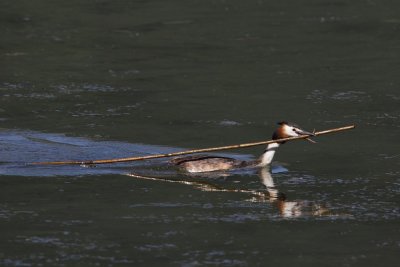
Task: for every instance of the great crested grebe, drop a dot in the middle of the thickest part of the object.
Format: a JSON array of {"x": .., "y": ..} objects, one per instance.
[{"x": 207, "y": 163}]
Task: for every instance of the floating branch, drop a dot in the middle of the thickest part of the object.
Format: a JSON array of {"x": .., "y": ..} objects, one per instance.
[{"x": 108, "y": 161}]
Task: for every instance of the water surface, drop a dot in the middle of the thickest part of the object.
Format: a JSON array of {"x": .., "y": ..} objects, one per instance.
[{"x": 105, "y": 79}]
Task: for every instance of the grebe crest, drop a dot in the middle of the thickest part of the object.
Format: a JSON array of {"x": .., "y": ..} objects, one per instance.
[{"x": 206, "y": 163}]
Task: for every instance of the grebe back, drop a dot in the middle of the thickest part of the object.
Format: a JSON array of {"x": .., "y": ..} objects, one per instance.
[{"x": 207, "y": 163}]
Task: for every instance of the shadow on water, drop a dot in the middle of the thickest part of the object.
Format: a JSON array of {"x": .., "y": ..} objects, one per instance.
[{"x": 21, "y": 148}]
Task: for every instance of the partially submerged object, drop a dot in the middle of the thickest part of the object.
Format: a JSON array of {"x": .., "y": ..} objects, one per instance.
[
  {"x": 286, "y": 130},
  {"x": 205, "y": 163}
]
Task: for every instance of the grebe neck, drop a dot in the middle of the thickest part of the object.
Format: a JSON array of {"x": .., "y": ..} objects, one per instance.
[{"x": 268, "y": 155}]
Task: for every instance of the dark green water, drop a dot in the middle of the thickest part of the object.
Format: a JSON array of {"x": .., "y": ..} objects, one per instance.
[{"x": 104, "y": 79}]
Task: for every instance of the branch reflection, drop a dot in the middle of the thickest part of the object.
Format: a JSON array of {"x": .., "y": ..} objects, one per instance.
[{"x": 287, "y": 208}]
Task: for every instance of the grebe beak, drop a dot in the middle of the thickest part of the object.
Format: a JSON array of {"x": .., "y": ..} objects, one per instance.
[{"x": 302, "y": 132}]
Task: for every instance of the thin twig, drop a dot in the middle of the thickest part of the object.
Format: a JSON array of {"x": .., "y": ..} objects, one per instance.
[{"x": 107, "y": 161}]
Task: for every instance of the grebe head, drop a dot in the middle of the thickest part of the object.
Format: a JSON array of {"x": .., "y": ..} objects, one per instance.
[
  {"x": 284, "y": 130},
  {"x": 287, "y": 129}
]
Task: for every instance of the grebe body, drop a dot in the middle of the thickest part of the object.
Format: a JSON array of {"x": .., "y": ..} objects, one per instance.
[{"x": 207, "y": 163}]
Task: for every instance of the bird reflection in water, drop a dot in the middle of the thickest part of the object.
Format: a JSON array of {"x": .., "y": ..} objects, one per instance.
[{"x": 287, "y": 208}]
